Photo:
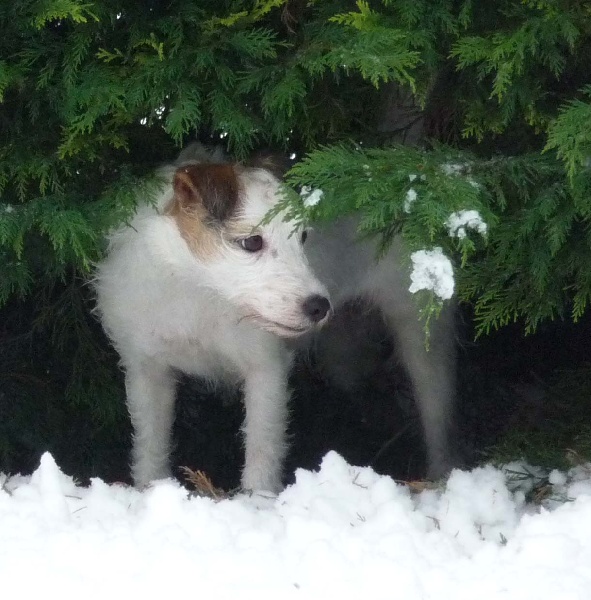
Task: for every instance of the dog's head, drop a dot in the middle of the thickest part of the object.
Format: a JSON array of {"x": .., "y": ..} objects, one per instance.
[{"x": 260, "y": 268}]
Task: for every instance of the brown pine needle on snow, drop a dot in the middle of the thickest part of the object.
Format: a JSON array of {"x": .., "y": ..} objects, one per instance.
[{"x": 203, "y": 485}]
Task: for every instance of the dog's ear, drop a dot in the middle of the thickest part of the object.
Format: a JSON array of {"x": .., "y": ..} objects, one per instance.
[
  {"x": 276, "y": 164},
  {"x": 214, "y": 187}
]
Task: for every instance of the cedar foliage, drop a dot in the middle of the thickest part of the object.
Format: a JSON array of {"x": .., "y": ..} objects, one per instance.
[{"x": 94, "y": 94}]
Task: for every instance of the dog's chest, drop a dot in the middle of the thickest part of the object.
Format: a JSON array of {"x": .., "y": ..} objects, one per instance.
[
  {"x": 192, "y": 358},
  {"x": 204, "y": 344}
]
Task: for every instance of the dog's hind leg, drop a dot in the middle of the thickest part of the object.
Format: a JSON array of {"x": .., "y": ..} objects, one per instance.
[
  {"x": 150, "y": 391},
  {"x": 266, "y": 398},
  {"x": 431, "y": 371},
  {"x": 432, "y": 374}
]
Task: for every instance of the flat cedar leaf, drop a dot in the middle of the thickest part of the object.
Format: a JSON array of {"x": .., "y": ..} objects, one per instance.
[{"x": 47, "y": 11}]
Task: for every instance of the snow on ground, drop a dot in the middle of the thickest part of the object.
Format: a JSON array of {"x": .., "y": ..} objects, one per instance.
[{"x": 341, "y": 532}]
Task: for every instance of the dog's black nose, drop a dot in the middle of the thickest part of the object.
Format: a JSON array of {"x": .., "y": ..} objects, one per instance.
[{"x": 316, "y": 307}]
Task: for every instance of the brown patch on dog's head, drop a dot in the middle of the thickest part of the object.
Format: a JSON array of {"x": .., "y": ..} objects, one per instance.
[
  {"x": 214, "y": 187},
  {"x": 205, "y": 197}
]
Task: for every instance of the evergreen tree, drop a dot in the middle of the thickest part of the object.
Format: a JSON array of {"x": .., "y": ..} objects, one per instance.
[{"x": 94, "y": 94}]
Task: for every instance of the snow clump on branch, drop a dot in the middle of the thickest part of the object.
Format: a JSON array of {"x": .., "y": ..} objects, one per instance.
[
  {"x": 433, "y": 271},
  {"x": 311, "y": 197},
  {"x": 459, "y": 222}
]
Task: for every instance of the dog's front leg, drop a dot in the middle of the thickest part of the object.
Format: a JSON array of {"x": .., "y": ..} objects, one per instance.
[
  {"x": 266, "y": 398},
  {"x": 150, "y": 391}
]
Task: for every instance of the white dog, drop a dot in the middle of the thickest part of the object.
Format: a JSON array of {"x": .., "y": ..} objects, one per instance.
[{"x": 196, "y": 284}]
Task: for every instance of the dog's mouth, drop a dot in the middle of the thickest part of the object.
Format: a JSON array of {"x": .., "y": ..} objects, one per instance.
[
  {"x": 280, "y": 329},
  {"x": 284, "y": 330}
]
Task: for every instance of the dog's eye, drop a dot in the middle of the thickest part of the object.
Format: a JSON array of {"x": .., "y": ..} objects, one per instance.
[
  {"x": 253, "y": 243},
  {"x": 304, "y": 236}
]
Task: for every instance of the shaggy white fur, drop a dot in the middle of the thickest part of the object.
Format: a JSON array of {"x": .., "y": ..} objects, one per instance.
[
  {"x": 211, "y": 307},
  {"x": 196, "y": 284}
]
